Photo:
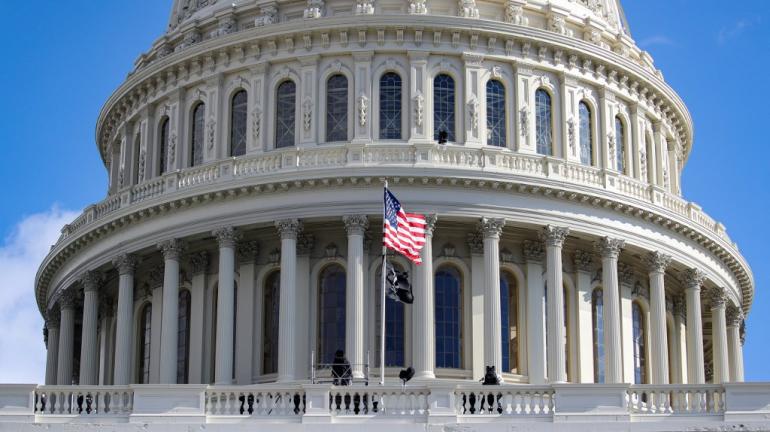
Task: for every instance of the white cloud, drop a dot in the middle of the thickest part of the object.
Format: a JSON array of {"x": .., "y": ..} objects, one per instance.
[
  {"x": 736, "y": 29},
  {"x": 654, "y": 40},
  {"x": 22, "y": 351}
]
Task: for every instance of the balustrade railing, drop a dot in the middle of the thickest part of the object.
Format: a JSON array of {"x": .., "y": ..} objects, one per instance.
[
  {"x": 504, "y": 401},
  {"x": 83, "y": 400},
  {"x": 379, "y": 401},
  {"x": 677, "y": 399},
  {"x": 263, "y": 401}
]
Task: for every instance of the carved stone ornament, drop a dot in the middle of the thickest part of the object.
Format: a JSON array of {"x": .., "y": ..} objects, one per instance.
[
  {"x": 314, "y": 9},
  {"x": 248, "y": 252},
  {"x": 524, "y": 121},
  {"x": 69, "y": 298},
  {"x": 154, "y": 279},
  {"x": 430, "y": 224},
  {"x": 226, "y": 236},
  {"x": 734, "y": 315},
  {"x": 211, "y": 128},
  {"x": 142, "y": 162},
  {"x": 559, "y": 25},
  {"x": 172, "y": 148},
  {"x": 363, "y": 109},
  {"x": 199, "y": 262},
  {"x": 53, "y": 317},
  {"x": 514, "y": 13},
  {"x": 473, "y": 110},
  {"x": 171, "y": 249},
  {"x": 355, "y": 224},
  {"x": 571, "y": 135},
  {"x": 610, "y": 247},
  {"x": 331, "y": 251},
  {"x": 125, "y": 263},
  {"x": 476, "y": 243},
  {"x": 693, "y": 278},
  {"x": 533, "y": 251},
  {"x": 467, "y": 9},
  {"x": 417, "y": 7},
  {"x": 288, "y": 228},
  {"x": 419, "y": 108},
  {"x": 256, "y": 123},
  {"x": 305, "y": 244},
  {"x": 364, "y": 7},
  {"x": 611, "y": 145},
  {"x": 121, "y": 177},
  {"x": 679, "y": 306},
  {"x": 268, "y": 15},
  {"x": 450, "y": 250},
  {"x": 657, "y": 262},
  {"x": 274, "y": 257},
  {"x": 625, "y": 274},
  {"x": 91, "y": 281},
  {"x": 583, "y": 260},
  {"x": 554, "y": 236},
  {"x": 307, "y": 113},
  {"x": 643, "y": 163},
  {"x": 717, "y": 297}
]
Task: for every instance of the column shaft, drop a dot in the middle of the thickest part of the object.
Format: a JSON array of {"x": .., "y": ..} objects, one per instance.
[
  {"x": 734, "y": 345},
  {"x": 719, "y": 336},
  {"x": 657, "y": 264},
  {"x": 244, "y": 334},
  {"x": 423, "y": 325},
  {"x": 89, "y": 354},
  {"x": 169, "y": 336},
  {"x": 200, "y": 264},
  {"x": 126, "y": 265},
  {"x": 354, "y": 311},
  {"x": 585, "y": 331},
  {"x": 287, "y": 332},
  {"x": 610, "y": 250},
  {"x": 66, "y": 340},
  {"x": 225, "y": 325},
  {"x": 534, "y": 254},
  {"x": 696, "y": 371},
  {"x": 53, "y": 347},
  {"x": 555, "y": 333},
  {"x": 493, "y": 354}
]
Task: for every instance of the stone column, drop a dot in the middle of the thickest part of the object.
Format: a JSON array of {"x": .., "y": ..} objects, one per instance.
[
  {"x": 478, "y": 332},
  {"x": 288, "y": 229},
  {"x": 244, "y": 330},
  {"x": 89, "y": 348},
  {"x": 533, "y": 255},
  {"x": 554, "y": 241},
  {"x": 169, "y": 327},
  {"x": 657, "y": 264},
  {"x": 626, "y": 279},
  {"x": 66, "y": 337},
  {"x": 106, "y": 314},
  {"x": 423, "y": 325},
  {"x": 223, "y": 366},
  {"x": 693, "y": 279},
  {"x": 305, "y": 245},
  {"x": 199, "y": 263},
  {"x": 355, "y": 225},
  {"x": 491, "y": 229},
  {"x": 583, "y": 262},
  {"x": 734, "y": 344},
  {"x": 680, "y": 342},
  {"x": 610, "y": 251},
  {"x": 719, "y": 335},
  {"x": 52, "y": 324},
  {"x": 126, "y": 265}
]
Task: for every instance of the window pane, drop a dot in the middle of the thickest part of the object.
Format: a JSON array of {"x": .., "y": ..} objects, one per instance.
[
  {"x": 543, "y": 123},
  {"x": 285, "y": 114},
  {"x": 496, "y": 130},
  {"x": 586, "y": 135},
  {"x": 272, "y": 296},
  {"x": 332, "y": 312},
  {"x": 390, "y": 106},
  {"x": 620, "y": 145},
  {"x": 444, "y": 107},
  {"x": 448, "y": 318},
  {"x": 337, "y": 108},
  {"x": 183, "y": 340},
  {"x": 238, "y": 114},
  {"x": 163, "y": 146},
  {"x": 597, "y": 316},
  {"x": 144, "y": 344},
  {"x": 640, "y": 355},
  {"x": 508, "y": 319},
  {"x": 198, "y": 126}
]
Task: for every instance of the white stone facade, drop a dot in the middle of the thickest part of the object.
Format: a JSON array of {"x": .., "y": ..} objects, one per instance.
[{"x": 198, "y": 288}]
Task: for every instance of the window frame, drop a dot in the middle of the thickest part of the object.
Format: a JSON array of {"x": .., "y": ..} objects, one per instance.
[{"x": 503, "y": 122}]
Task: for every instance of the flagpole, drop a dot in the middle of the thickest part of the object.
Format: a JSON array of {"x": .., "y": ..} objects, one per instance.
[{"x": 382, "y": 297}]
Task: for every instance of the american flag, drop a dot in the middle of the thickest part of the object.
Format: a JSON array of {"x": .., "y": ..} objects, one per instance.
[{"x": 403, "y": 232}]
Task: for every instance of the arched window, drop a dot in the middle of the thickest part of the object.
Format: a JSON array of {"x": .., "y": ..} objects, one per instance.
[
  {"x": 331, "y": 308},
  {"x": 145, "y": 335},
  {"x": 394, "y": 327},
  {"x": 183, "y": 340},
  {"x": 165, "y": 125},
  {"x": 337, "y": 108},
  {"x": 496, "y": 131},
  {"x": 448, "y": 318},
  {"x": 197, "y": 136},
  {"x": 586, "y": 135},
  {"x": 444, "y": 107},
  {"x": 137, "y": 157},
  {"x": 639, "y": 336},
  {"x": 509, "y": 304},
  {"x": 272, "y": 293},
  {"x": 390, "y": 106},
  {"x": 285, "y": 114},
  {"x": 620, "y": 145},
  {"x": 238, "y": 119},
  {"x": 597, "y": 319},
  {"x": 543, "y": 122}
]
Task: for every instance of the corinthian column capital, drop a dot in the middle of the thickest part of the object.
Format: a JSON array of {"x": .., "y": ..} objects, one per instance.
[
  {"x": 491, "y": 227},
  {"x": 693, "y": 278},
  {"x": 355, "y": 224},
  {"x": 734, "y": 315},
  {"x": 171, "y": 249},
  {"x": 69, "y": 298},
  {"x": 91, "y": 281},
  {"x": 125, "y": 263},
  {"x": 717, "y": 296},
  {"x": 610, "y": 247},
  {"x": 52, "y": 317},
  {"x": 226, "y": 236},
  {"x": 288, "y": 228},
  {"x": 657, "y": 262},
  {"x": 430, "y": 224},
  {"x": 554, "y": 236}
]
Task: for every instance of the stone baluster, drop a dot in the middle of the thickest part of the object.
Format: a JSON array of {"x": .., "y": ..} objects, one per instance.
[
  {"x": 719, "y": 335},
  {"x": 89, "y": 354},
  {"x": 227, "y": 237},
  {"x": 169, "y": 336},
  {"x": 533, "y": 255},
  {"x": 356, "y": 226},
  {"x": 491, "y": 229},
  {"x": 554, "y": 238},
  {"x": 609, "y": 248},
  {"x": 696, "y": 371},
  {"x": 657, "y": 264},
  {"x": 52, "y": 324},
  {"x": 423, "y": 325},
  {"x": 288, "y": 229},
  {"x": 67, "y": 304},
  {"x": 126, "y": 265},
  {"x": 734, "y": 315}
]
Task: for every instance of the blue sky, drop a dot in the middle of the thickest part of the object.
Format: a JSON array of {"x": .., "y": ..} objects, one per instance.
[{"x": 63, "y": 59}]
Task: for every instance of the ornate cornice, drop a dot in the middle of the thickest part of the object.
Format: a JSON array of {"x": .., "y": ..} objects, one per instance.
[
  {"x": 172, "y": 249},
  {"x": 491, "y": 227},
  {"x": 584, "y": 261},
  {"x": 533, "y": 251},
  {"x": 199, "y": 262},
  {"x": 356, "y": 224},
  {"x": 657, "y": 262},
  {"x": 289, "y": 228},
  {"x": 693, "y": 278},
  {"x": 554, "y": 236},
  {"x": 126, "y": 264},
  {"x": 610, "y": 247},
  {"x": 226, "y": 236}
]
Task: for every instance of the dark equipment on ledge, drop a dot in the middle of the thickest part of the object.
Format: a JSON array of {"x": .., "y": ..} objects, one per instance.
[
  {"x": 491, "y": 378},
  {"x": 443, "y": 136},
  {"x": 405, "y": 375},
  {"x": 399, "y": 288}
]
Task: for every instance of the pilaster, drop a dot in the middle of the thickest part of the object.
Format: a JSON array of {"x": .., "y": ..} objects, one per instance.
[
  {"x": 309, "y": 91},
  {"x": 258, "y": 102},
  {"x": 583, "y": 264},
  {"x": 362, "y": 124},
  {"x": 423, "y": 325},
  {"x": 248, "y": 252},
  {"x": 199, "y": 263},
  {"x": 420, "y": 118}
]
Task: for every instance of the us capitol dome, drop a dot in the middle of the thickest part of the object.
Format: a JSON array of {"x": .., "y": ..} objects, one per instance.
[{"x": 239, "y": 245}]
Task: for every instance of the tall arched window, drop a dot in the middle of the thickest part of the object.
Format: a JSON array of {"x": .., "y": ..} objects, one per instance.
[
  {"x": 145, "y": 336},
  {"x": 183, "y": 339},
  {"x": 390, "y": 106},
  {"x": 197, "y": 136},
  {"x": 543, "y": 122},
  {"x": 620, "y": 145},
  {"x": 444, "y": 107},
  {"x": 394, "y": 327},
  {"x": 586, "y": 135},
  {"x": 496, "y": 130},
  {"x": 508, "y": 317},
  {"x": 272, "y": 296},
  {"x": 597, "y": 319},
  {"x": 165, "y": 125},
  {"x": 448, "y": 318},
  {"x": 639, "y": 336},
  {"x": 337, "y": 108},
  {"x": 285, "y": 114},
  {"x": 331, "y": 311},
  {"x": 238, "y": 119}
]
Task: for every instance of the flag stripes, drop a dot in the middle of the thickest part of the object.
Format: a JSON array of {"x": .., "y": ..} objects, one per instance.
[{"x": 403, "y": 232}]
